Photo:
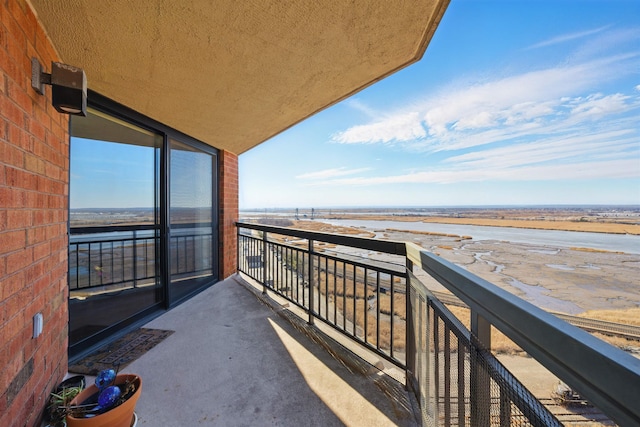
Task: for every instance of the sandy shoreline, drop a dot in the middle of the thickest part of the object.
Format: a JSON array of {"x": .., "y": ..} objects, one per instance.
[
  {"x": 565, "y": 280},
  {"x": 551, "y": 224}
]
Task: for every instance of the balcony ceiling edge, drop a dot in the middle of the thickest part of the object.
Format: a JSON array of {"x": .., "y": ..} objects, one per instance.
[{"x": 233, "y": 74}]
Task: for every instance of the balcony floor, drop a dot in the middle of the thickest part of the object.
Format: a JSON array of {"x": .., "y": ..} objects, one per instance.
[{"x": 236, "y": 361}]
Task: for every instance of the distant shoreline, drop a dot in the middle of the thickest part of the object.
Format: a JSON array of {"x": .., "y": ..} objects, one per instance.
[{"x": 551, "y": 224}]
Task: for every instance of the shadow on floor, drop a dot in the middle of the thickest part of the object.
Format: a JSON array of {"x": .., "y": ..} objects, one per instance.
[{"x": 238, "y": 359}]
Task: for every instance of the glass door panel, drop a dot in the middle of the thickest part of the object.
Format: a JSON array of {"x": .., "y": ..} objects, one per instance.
[
  {"x": 191, "y": 213},
  {"x": 114, "y": 225}
]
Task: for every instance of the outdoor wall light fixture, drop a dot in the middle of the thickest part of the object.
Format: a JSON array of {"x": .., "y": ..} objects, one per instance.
[{"x": 68, "y": 86}]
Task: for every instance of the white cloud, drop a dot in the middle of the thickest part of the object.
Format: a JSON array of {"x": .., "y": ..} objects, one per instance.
[
  {"x": 605, "y": 152},
  {"x": 606, "y": 169},
  {"x": 398, "y": 127},
  {"x": 567, "y": 37},
  {"x": 598, "y": 106},
  {"x": 625, "y": 143},
  {"x": 331, "y": 173},
  {"x": 358, "y": 105},
  {"x": 535, "y": 102}
]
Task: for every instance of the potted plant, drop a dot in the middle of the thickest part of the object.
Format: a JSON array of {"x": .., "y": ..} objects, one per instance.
[
  {"x": 110, "y": 402},
  {"x": 61, "y": 398}
]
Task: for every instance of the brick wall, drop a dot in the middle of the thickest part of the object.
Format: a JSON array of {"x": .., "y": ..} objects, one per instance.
[
  {"x": 34, "y": 170},
  {"x": 228, "y": 213}
]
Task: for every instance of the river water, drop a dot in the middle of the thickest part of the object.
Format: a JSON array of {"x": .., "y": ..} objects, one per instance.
[{"x": 627, "y": 243}]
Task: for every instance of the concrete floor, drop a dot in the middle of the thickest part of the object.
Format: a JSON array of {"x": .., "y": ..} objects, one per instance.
[{"x": 235, "y": 360}]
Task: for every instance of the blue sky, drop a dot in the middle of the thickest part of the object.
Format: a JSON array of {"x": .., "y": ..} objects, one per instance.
[{"x": 514, "y": 103}]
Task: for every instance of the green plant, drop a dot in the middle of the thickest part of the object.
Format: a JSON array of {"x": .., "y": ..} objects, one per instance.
[{"x": 58, "y": 404}]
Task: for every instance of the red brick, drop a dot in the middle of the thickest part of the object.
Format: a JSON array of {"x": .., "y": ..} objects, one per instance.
[
  {"x": 15, "y": 304},
  {"x": 42, "y": 250},
  {"x": 17, "y": 136},
  {"x": 4, "y": 126},
  {"x": 19, "y": 260},
  {"x": 11, "y": 111},
  {"x": 25, "y": 19},
  {"x": 12, "y": 328},
  {"x": 16, "y": 48},
  {"x": 34, "y": 276},
  {"x": 8, "y": 65},
  {"x": 19, "y": 97},
  {"x": 12, "y": 241},
  {"x": 34, "y": 164},
  {"x": 36, "y": 234},
  {"x": 11, "y": 285},
  {"x": 37, "y": 130},
  {"x": 18, "y": 219}
]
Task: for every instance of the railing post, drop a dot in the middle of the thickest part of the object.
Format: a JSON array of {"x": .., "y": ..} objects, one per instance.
[
  {"x": 238, "y": 251},
  {"x": 265, "y": 260},
  {"x": 135, "y": 261},
  {"x": 480, "y": 380},
  {"x": 410, "y": 362},
  {"x": 310, "y": 291}
]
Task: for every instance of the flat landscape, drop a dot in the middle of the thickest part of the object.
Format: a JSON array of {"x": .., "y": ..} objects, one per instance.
[
  {"x": 570, "y": 280},
  {"x": 580, "y": 280}
]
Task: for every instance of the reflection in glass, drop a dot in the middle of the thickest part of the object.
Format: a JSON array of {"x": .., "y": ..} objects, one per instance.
[{"x": 114, "y": 223}]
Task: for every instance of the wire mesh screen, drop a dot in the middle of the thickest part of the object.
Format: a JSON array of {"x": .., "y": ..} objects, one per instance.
[{"x": 456, "y": 381}]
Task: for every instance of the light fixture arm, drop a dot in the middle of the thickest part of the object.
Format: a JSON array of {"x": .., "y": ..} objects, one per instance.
[{"x": 69, "y": 86}]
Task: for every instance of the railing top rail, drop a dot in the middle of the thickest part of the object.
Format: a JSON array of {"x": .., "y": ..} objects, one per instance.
[
  {"x": 134, "y": 227},
  {"x": 111, "y": 228},
  {"x": 386, "y": 246},
  {"x": 605, "y": 375}
]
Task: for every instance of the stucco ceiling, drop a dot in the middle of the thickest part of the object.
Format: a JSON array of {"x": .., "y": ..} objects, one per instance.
[{"x": 234, "y": 73}]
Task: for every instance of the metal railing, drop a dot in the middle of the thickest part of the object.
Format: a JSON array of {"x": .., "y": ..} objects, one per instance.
[
  {"x": 112, "y": 256},
  {"x": 456, "y": 379},
  {"x": 362, "y": 298},
  {"x": 123, "y": 256},
  {"x": 606, "y": 376}
]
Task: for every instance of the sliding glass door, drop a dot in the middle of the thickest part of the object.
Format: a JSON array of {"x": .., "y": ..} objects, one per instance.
[
  {"x": 191, "y": 219},
  {"x": 114, "y": 225},
  {"x": 142, "y": 223}
]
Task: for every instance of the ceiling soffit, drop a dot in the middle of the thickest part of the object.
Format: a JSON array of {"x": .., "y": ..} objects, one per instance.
[{"x": 235, "y": 73}]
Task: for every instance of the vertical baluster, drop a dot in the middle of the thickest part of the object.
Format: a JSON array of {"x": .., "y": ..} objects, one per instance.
[
  {"x": 335, "y": 292},
  {"x": 77, "y": 266},
  {"x": 288, "y": 270},
  {"x": 436, "y": 363},
  {"x": 293, "y": 274},
  {"x": 378, "y": 310},
  {"x": 461, "y": 383},
  {"x": 366, "y": 306},
  {"x": 326, "y": 288},
  {"x": 447, "y": 376},
  {"x": 344, "y": 296},
  {"x": 146, "y": 259},
  {"x": 505, "y": 409},
  {"x": 111, "y": 259},
  {"x": 264, "y": 259},
  {"x": 100, "y": 262},
  {"x": 354, "y": 301},
  {"x": 480, "y": 381},
  {"x": 135, "y": 259},
  {"x": 310, "y": 289},
  {"x": 392, "y": 290},
  {"x": 185, "y": 254}
]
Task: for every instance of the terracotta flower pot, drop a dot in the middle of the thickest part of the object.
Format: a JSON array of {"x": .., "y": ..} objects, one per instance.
[{"x": 120, "y": 416}]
